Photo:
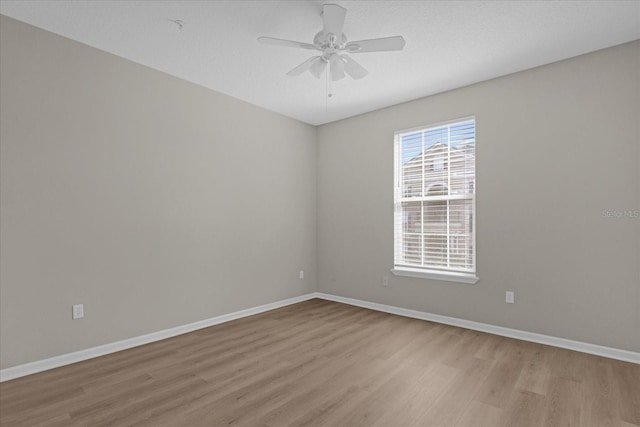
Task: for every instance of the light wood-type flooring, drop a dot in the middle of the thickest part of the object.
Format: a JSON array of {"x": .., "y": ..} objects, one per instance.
[{"x": 321, "y": 363}]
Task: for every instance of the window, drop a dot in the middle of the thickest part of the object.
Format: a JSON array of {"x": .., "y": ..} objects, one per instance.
[
  {"x": 434, "y": 201},
  {"x": 438, "y": 163}
]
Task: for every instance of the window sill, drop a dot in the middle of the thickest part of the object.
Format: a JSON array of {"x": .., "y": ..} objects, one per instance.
[{"x": 470, "y": 278}]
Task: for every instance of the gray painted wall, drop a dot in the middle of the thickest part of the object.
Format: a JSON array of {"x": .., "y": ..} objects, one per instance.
[
  {"x": 158, "y": 203},
  {"x": 152, "y": 201},
  {"x": 556, "y": 146}
]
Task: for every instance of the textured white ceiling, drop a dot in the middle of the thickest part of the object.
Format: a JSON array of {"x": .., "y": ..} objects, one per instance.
[{"x": 449, "y": 43}]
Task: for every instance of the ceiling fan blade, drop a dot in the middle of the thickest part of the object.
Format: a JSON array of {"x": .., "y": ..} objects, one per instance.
[
  {"x": 375, "y": 45},
  {"x": 337, "y": 67},
  {"x": 303, "y": 67},
  {"x": 287, "y": 43},
  {"x": 355, "y": 70},
  {"x": 333, "y": 19}
]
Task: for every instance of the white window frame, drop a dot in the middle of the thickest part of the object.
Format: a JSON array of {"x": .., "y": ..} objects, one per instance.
[{"x": 466, "y": 276}]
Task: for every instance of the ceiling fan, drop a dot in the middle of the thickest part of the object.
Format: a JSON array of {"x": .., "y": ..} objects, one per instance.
[{"x": 332, "y": 43}]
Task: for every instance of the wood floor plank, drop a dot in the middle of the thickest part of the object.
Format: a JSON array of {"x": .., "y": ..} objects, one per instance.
[
  {"x": 449, "y": 407},
  {"x": 600, "y": 395},
  {"x": 111, "y": 388},
  {"x": 328, "y": 385},
  {"x": 627, "y": 381},
  {"x": 415, "y": 399},
  {"x": 504, "y": 375},
  {"x": 525, "y": 408},
  {"x": 480, "y": 414},
  {"x": 535, "y": 375},
  {"x": 564, "y": 404},
  {"x": 321, "y": 363}
]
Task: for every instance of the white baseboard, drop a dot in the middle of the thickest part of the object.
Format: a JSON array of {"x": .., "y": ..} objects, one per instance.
[
  {"x": 612, "y": 353},
  {"x": 78, "y": 356},
  {"x": 101, "y": 350}
]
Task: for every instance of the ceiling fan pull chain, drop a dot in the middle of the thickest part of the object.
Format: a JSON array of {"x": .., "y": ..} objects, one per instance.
[
  {"x": 329, "y": 94},
  {"x": 326, "y": 98}
]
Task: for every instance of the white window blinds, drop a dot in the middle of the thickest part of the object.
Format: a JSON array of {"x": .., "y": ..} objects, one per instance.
[{"x": 435, "y": 197}]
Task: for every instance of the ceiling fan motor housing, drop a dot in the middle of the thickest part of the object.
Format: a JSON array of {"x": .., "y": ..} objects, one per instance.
[{"x": 330, "y": 41}]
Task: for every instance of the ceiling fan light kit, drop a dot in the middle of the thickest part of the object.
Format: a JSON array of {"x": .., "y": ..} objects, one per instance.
[{"x": 333, "y": 45}]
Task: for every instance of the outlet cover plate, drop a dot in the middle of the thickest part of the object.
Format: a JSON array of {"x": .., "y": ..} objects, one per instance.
[
  {"x": 509, "y": 297},
  {"x": 77, "y": 311}
]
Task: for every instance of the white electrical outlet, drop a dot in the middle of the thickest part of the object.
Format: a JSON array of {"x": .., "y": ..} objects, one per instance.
[
  {"x": 302, "y": 274},
  {"x": 509, "y": 297},
  {"x": 385, "y": 281},
  {"x": 77, "y": 311}
]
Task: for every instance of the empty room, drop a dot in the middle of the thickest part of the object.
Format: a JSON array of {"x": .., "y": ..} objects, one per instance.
[{"x": 307, "y": 213}]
